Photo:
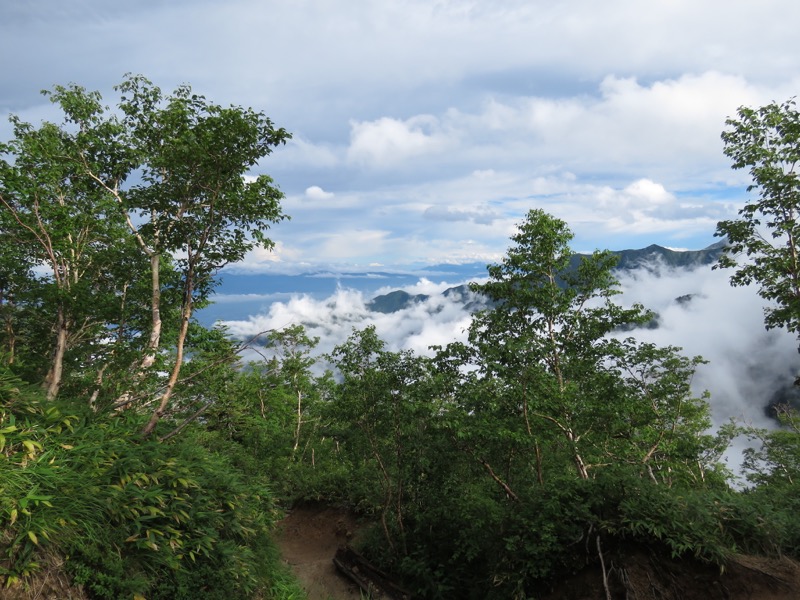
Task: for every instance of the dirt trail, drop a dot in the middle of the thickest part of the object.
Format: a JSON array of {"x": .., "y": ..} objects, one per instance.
[{"x": 308, "y": 538}]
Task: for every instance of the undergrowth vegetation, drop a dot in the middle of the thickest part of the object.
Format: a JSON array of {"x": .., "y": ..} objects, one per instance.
[{"x": 134, "y": 517}]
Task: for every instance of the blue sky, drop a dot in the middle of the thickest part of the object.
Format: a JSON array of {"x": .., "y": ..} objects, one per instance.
[{"x": 425, "y": 129}]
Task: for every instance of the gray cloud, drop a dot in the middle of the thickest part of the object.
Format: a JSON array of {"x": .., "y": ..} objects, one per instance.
[
  {"x": 448, "y": 213},
  {"x": 747, "y": 363}
]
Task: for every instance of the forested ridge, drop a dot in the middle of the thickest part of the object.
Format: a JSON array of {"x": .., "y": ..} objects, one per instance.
[{"x": 140, "y": 457}]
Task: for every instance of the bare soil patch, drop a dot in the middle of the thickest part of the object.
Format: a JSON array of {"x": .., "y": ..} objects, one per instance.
[
  {"x": 50, "y": 582},
  {"x": 308, "y": 538}
]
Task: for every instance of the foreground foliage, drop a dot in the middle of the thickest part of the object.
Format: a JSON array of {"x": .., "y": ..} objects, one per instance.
[{"x": 135, "y": 517}]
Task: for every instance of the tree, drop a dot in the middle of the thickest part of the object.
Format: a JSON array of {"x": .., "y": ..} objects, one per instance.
[
  {"x": 500, "y": 459},
  {"x": 766, "y": 141},
  {"x": 384, "y": 408},
  {"x": 195, "y": 198},
  {"x": 194, "y": 202},
  {"x": 545, "y": 344},
  {"x": 777, "y": 461},
  {"x": 291, "y": 362},
  {"x": 55, "y": 216},
  {"x": 273, "y": 397},
  {"x": 559, "y": 417},
  {"x": 68, "y": 204},
  {"x": 16, "y": 281}
]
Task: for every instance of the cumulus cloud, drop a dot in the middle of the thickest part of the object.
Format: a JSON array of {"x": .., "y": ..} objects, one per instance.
[
  {"x": 645, "y": 194},
  {"x": 317, "y": 193},
  {"x": 625, "y": 126},
  {"x": 626, "y": 160},
  {"x": 388, "y": 142}
]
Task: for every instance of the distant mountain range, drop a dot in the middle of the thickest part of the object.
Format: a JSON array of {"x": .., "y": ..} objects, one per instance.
[
  {"x": 633, "y": 259},
  {"x": 627, "y": 260}
]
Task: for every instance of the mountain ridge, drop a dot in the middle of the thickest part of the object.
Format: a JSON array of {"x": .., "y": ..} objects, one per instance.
[{"x": 398, "y": 300}]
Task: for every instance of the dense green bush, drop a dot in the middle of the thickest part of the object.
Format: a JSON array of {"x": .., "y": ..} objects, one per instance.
[{"x": 132, "y": 516}]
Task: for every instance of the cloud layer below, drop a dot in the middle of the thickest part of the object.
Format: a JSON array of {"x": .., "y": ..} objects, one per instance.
[{"x": 746, "y": 363}]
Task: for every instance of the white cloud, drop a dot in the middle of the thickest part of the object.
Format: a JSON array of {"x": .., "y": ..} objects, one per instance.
[
  {"x": 301, "y": 153},
  {"x": 423, "y": 286},
  {"x": 646, "y": 193},
  {"x": 436, "y": 321},
  {"x": 387, "y": 142},
  {"x": 481, "y": 215},
  {"x": 624, "y": 127},
  {"x": 747, "y": 363},
  {"x": 317, "y": 193},
  {"x": 261, "y": 259},
  {"x": 632, "y": 159}
]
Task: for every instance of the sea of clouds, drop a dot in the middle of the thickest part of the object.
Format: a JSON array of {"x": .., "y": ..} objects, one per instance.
[{"x": 747, "y": 364}]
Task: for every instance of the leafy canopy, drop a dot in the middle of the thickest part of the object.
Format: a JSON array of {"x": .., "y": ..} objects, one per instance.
[{"x": 766, "y": 141}]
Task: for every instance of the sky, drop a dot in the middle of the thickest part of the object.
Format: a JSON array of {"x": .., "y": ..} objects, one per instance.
[{"x": 424, "y": 130}]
